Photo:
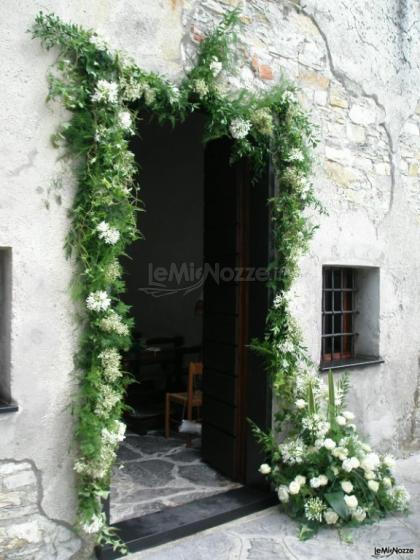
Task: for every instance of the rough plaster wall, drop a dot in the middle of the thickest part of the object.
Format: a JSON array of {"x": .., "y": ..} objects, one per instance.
[{"x": 357, "y": 66}]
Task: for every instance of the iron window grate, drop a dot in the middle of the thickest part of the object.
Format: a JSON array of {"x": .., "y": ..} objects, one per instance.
[{"x": 338, "y": 313}]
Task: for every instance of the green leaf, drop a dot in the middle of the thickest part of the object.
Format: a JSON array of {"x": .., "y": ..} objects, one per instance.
[
  {"x": 306, "y": 532},
  {"x": 336, "y": 501},
  {"x": 331, "y": 397},
  {"x": 346, "y": 535}
]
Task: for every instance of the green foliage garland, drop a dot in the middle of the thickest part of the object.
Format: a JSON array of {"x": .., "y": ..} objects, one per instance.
[{"x": 100, "y": 87}]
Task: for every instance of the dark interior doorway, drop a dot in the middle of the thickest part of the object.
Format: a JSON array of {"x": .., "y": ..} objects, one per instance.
[{"x": 194, "y": 296}]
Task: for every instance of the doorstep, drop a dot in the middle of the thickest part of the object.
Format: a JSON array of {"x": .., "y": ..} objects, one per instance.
[{"x": 181, "y": 521}]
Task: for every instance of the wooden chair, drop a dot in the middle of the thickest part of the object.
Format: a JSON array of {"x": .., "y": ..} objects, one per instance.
[{"x": 191, "y": 399}]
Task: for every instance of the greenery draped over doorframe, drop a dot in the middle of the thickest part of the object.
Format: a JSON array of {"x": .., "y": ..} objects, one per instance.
[{"x": 106, "y": 92}]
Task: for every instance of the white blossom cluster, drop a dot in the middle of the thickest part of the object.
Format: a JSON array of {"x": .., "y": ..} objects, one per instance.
[
  {"x": 115, "y": 436},
  {"x": 239, "y": 128},
  {"x": 295, "y": 155},
  {"x": 215, "y": 66},
  {"x": 108, "y": 398},
  {"x": 200, "y": 87},
  {"x": 109, "y": 234},
  {"x": 112, "y": 323},
  {"x": 98, "y": 301},
  {"x": 125, "y": 120},
  {"x": 113, "y": 271},
  {"x": 105, "y": 92},
  {"x": 292, "y": 451},
  {"x": 262, "y": 119},
  {"x": 111, "y": 364}
]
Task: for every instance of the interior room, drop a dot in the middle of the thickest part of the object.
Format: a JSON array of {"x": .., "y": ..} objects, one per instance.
[{"x": 159, "y": 466}]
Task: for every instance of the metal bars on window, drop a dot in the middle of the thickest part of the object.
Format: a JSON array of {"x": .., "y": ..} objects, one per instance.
[{"x": 338, "y": 310}]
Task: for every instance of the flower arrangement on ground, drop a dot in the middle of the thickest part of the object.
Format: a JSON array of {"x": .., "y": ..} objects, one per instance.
[{"x": 324, "y": 474}]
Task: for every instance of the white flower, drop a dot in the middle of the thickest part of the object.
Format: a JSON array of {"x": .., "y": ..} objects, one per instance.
[
  {"x": 277, "y": 301},
  {"x": 125, "y": 121},
  {"x": 289, "y": 97},
  {"x": 341, "y": 421},
  {"x": 107, "y": 400},
  {"x": 370, "y": 462},
  {"x": 301, "y": 480},
  {"x": 294, "y": 487},
  {"x": 401, "y": 498},
  {"x": 113, "y": 437},
  {"x": 314, "y": 509},
  {"x": 358, "y": 514},
  {"x": 329, "y": 444},
  {"x": 283, "y": 494},
  {"x": 239, "y": 128},
  {"x": 335, "y": 470},
  {"x": 174, "y": 93},
  {"x": 98, "y": 301},
  {"x": 296, "y": 155},
  {"x": 315, "y": 482},
  {"x": 109, "y": 234},
  {"x": 106, "y": 92},
  {"x": 200, "y": 87},
  {"x": 215, "y": 66},
  {"x": 262, "y": 119},
  {"x": 264, "y": 469},
  {"x": 292, "y": 451},
  {"x": 351, "y": 501},
  {"x": 98, "y": 42},
  {"x": 112, "y": 323},
  {"x": 366, "y": 448},
  {"x": 347, "y": 486},
  {"x": 323, "y": 480},
  {"x": 94, "y": 526},
  {"x": 389, "y": 461},
  {"x": 350, "y": 464},
  {"x": 348, "y": 415},
  {"x": 340, "y": 452},
  {"x": 111, "y": 363},
  {"x": 330, "y": 517},
  {"x": 369, "y": 475},
  {"x": 387, "y": 482},
  {"x": 373, "y": 485},
  {"x": 300, "y": 403}
]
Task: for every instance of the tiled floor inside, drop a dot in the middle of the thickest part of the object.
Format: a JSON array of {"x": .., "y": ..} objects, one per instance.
[{"x": 153, "y": 473}]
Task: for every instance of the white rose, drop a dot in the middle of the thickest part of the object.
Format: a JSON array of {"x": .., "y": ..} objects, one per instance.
[
  {"x": 351, "y": 501},
  {"x": 347, "y": 486},
  {"x": 323, "y": 479},
  {"x": 389, "y": 461},
  {"x": 355, "y": 462},
  {"x": 373, "y": 485},
  {"x": 265, "y": 469},
  {"x": 315, "y": 482},
  {"x": 359, "y": 514},
  {"x": 330, "y": 517},
  {"x": 300, "y": 403},
  {"x": 294, "y": 487},
  {"x": 340, "y": 452},
  {"x": 371, "y": 462},
  {"x": 283, "y": 494},
  {"x": 301, "y": 480},
  {"x": 341, "y": 421},
  {"x": 329, "y": 444},
  {"x": 348, "y": 415},
  {"x": 369, "y": 475},
  {"x": 387, "y": 482}
]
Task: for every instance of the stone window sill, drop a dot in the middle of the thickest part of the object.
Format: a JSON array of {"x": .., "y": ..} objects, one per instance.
[
  {"x": 8, "y": 407},
  {"x": 357, "y": 362}
]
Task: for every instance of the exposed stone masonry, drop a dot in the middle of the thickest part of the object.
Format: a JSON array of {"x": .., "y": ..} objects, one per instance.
[{"x": 26, "y": 533}]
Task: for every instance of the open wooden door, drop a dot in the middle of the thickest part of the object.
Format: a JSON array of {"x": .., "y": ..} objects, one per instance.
[{"x": 235, "y": 239}]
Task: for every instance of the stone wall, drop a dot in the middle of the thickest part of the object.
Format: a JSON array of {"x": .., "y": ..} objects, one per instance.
[
  {"x": 357, "y": 66},
  {"x": 26, "y": 532}
]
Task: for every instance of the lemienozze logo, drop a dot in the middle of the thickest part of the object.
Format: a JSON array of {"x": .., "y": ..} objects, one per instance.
[{"x": 387, "y": 551}]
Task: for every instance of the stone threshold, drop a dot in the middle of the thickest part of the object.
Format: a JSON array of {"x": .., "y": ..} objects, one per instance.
[{"x": 184, "y": 520}]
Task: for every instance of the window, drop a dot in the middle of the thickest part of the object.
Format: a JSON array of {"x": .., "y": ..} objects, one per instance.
[
  {"x": 6, "y": 404},
  {"x": 350, "y": 316}
]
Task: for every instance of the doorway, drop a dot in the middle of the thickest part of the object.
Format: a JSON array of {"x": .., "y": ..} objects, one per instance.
[{"x": 197, "y": 292}]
